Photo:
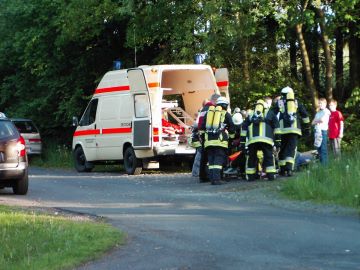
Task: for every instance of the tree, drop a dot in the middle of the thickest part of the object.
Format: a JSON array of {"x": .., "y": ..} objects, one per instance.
[
  {"x": 304, "y": 54},
  {"x": 327, "y": 51}
]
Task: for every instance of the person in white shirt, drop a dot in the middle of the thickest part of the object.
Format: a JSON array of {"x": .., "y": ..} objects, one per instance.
[{"x": 321, "y": 123}]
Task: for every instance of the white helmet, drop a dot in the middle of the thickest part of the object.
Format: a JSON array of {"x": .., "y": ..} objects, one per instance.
[
  {"x": 237, "y": 119},
  {"x": 222, "y": 101},
  {"x": 286, "y": 90}
]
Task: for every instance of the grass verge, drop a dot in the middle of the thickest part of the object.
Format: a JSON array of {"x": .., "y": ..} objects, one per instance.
[
  {"x": 40, "y": 241},
  {"x": 337, "y": 183},
  {"x": 54, "y": 156}
]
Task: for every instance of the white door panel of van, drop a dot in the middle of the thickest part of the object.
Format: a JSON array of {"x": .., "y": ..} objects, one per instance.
[
  {"x": 222, "y": 81},
  {"x": 141, "y": 123},
  {"x": 114, "y": 123}
]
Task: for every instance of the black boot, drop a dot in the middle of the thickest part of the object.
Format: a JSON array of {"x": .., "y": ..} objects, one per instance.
[
  {"x": 250, "y": 177},
  {"x": 203, "y": 180},
  {"x": 282, "y": 171},
  {"x": 216, "y": 182}
]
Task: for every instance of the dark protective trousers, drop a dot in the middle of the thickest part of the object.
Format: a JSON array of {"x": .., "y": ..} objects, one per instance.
[
  {"x": 287, "y": 152},
  {"x": 217, "y": 158},
  {"x": 268, "y": 161},
  {"x": 203, "y": 173},
  {"x": 240, "y": 162}
]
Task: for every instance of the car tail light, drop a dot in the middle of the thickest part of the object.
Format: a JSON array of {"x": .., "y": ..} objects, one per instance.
[
  {"x": 155, "y": 134},
  {"x": 20, "y": 147}
]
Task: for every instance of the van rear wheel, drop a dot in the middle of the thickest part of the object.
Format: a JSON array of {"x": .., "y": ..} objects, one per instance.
[
  {"x": 132, "y": 164},
  {"x": 81, "y": 164}
]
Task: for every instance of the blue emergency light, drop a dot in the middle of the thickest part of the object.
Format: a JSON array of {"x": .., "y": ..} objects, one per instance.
[
  {"x": 117, "y": 65},
  {"x": 199, "y": 58}
]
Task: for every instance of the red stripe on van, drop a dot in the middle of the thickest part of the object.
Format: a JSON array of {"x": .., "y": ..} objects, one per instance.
[
  {"x": 116, "y": 130},
  {"x": 87, "y": 132},
  {"x": 112, "y": 89},
  {"x": 222, "y": 83}
]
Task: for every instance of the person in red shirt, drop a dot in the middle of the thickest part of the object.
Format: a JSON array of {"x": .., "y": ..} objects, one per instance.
[{"x": 336, "y": 128}]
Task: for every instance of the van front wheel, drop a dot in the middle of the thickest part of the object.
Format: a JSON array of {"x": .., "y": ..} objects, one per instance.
[
  {"x": 132, "y": 165},
  {"x": 81, "y": 164}
]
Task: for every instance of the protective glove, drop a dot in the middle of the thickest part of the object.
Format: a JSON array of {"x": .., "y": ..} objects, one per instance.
[
  {"x": 277, "y": 144},
  {"x": 242, "y": 147},
  {"x": 236, "y": 142},
  {"x": 307, "y": 132}
]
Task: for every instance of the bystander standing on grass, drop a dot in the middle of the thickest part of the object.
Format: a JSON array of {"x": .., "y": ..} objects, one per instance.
[
  {"x": 321, "y": 123},
  {"x": 336, "y": 128}
]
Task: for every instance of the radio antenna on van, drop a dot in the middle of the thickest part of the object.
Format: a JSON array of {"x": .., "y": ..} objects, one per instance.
[{"x": 134, "y": 47}]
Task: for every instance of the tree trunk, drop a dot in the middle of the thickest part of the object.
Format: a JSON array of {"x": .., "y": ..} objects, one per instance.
[
  {"x": 306, "y": 64},
  {"x": 354, "y": 50},
  {"x": 245, "y": 64},
  {"x": 327, "y": 51},
  {"x": 314, "y": 59},
  {"x": 293, "y": 50},
  {"x": 339, "y": 53}
]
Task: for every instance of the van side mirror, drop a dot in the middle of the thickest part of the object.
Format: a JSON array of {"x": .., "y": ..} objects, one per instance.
[{"x": 75, "y": 121}]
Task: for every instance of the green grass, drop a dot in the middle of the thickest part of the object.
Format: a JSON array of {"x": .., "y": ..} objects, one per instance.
[
  {"x": 40, "y": 241},
  {"x": 54, "y": 156},
  {"x": 338, "y": 183}
]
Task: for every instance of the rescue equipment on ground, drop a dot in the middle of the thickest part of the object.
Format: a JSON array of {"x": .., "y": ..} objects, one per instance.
[{"x": 234, "y": 156}]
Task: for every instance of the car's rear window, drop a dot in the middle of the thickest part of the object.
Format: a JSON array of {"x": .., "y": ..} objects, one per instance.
[
  {"x": 25, "y": 127},
  {"x": 7, "y": 129}
]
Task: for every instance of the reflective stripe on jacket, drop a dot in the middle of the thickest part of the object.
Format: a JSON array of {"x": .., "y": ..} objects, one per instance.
[
  {"x": 288, "y": 127},
  {"x": 220, "y": 137},
  {"x": 265, "y": 131}
]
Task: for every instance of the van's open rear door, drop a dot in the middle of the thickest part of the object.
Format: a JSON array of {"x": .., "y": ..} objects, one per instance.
[
  {"x": 142, "y": 117},
  {"x": 222, "y": 81}
]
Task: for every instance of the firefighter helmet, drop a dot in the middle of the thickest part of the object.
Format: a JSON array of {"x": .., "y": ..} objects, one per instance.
[
  {"x": 222, "y": 101},
  {"x": 237, "y": 118},
  {"x": 286, "y": 90}
]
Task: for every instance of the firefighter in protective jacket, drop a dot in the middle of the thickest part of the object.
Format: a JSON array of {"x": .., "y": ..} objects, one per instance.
[
  {"x": 219, "y": 128},
  {"x": 260, "y": 131},
  {"x": 290, "y": 126}
]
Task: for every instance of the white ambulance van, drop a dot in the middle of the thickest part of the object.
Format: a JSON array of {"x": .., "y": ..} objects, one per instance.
[{"x": 139, "y": 114}]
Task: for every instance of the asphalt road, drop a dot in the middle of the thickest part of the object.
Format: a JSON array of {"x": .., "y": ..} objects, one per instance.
[{"x": 173, "y": 222}]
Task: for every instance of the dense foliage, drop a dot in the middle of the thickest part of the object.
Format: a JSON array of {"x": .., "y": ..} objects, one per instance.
[{"x": 53, "y": 52}]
